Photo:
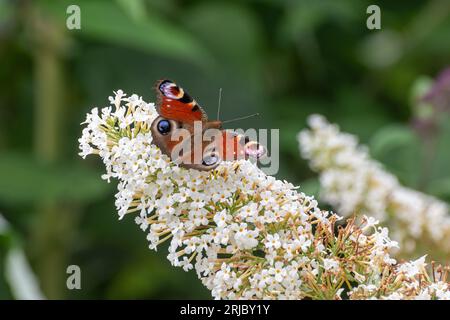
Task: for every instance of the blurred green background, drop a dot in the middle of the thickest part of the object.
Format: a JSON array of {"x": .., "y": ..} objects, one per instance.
[{"x": 283, "y": 58}]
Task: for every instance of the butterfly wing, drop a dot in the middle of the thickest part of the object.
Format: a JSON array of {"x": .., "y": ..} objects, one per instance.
[
  {"x": 197, "y": 150},
  {"x": 236, "y": 147},
  {"x": 179, "y": 112},
  {"x": 206, "y": 155},
  {"x": 183, "y": 145},
  {"x": 176, "y": 104}
]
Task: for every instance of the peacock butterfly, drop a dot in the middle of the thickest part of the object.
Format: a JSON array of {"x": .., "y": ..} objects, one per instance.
[{"x": 183, "y": 132}]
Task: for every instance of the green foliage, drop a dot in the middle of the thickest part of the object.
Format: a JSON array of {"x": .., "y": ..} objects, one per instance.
[
  {"x": 5, "y": 242},
  {"x": 439, "y": 176},
  {"x": 231, "y": 32},
  {"x": 105, "y": 21},
  {"x": 398, "y": 148},
  {"x": 26, "y": 181},
  {"x": 12, "y": 259},
  {"x": 284, "y": 59},
  {"x": 128, "y": 282}
]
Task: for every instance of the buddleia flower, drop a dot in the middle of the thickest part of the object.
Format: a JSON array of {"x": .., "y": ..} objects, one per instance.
[
  {"x": 355, "y": 184},
  {"x": 247, "y": 235}
]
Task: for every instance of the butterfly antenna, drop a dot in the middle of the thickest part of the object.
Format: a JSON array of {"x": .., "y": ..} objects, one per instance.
[
  {"x": 241, "y": 118},
  {"x": 218, "y": 107}
]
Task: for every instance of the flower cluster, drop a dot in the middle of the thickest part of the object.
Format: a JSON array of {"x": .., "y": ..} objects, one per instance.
[
  {"x": 246, "y": 234},
  {"x": 353, "y": 183}
]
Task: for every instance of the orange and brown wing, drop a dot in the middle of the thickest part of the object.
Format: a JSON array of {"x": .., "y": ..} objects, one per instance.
[
  {"x": 228, "y": 146},
  {"x": 176, "y": 104},
  {"x": 236, "y": 146}
]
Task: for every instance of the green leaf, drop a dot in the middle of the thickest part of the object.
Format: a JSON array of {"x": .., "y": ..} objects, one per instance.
[
  {"x": 390, "y": 137},
  {"x": 106, "y": 21},
  {"x": 305, "y": 16},
  {"x": 440, "y": 151},
  {"x": 399, "y": 149},
  {"x": 440, "y": 188},
  {"x": 420, "y": 108},
  {"x": 151, "y": 276},
  {"x": 298, "y": 108},
  {"x": 311, "y": 187},
  {"x": 25, "y": 181},
  {"x": 231, "y": 31},
  {"x": 357, "y": 112},
  {"x": 134, "y": 8},
  {"x": 6, "y": 11}
]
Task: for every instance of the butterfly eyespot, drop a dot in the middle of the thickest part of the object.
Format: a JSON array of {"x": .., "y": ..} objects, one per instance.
[
  {"x": 171, "y": 90},
  {"x": 254, "y": 150},
  {"x": 164, "y": 127},
  {"x": 210, "y": 160}
]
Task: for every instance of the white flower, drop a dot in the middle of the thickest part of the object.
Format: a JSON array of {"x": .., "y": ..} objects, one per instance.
[
  {"x": 278, "y": 271},
  {"x": 245, "y": 238},
  {"x": 222, "y": 218},
  {"x": 273, "y": 241},
  {"x": 246, "y": 234},
  {"x": 331, "y": 265},
  {"x": 440, "y": 290},
  {"x": 394, "y": 296},
  {"x": 353, "y": 183},
  {"x": 413, "y": 268}
]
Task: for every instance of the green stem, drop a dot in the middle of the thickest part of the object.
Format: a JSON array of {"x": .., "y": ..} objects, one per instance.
[{"x": 51, "y": 230}]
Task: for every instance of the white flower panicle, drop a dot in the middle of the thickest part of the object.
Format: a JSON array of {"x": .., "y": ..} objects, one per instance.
[
  {"x": 353, "y": 183},
  {"x": 246, "y": 234}
]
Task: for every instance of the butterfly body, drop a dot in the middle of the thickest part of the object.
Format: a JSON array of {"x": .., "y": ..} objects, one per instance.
[{"x": 184, "y": 133}]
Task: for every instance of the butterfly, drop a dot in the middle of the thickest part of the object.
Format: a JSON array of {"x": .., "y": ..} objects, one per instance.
[{"x": 183, "y": 132}]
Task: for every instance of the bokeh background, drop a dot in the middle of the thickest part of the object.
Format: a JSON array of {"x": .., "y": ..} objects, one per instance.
[{"x": 285, "y": 59}]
